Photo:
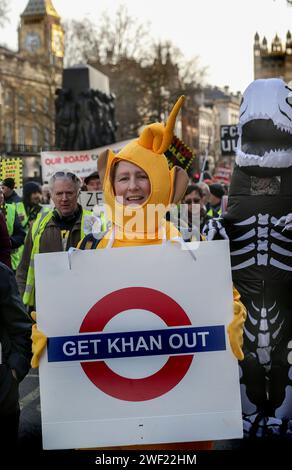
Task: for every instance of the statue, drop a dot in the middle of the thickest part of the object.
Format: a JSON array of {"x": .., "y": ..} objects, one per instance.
[
  {"x": 66, "y": 119},
  {"x": 85, "y": 120}
]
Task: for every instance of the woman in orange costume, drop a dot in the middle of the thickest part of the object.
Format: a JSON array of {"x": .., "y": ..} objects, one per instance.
[
  {"x": 123, "y": 174},
  {"x": 133, "y": 180}
]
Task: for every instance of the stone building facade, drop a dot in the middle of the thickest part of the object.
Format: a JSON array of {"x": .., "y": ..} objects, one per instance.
[
  {"x": 206, "y": 110},
  {"x": 275, "y": 60}
]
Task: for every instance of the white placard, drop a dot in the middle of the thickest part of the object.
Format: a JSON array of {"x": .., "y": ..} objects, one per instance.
[
  {"x": 81, "y": 162},
  {"x": 202, "y": 404},
  {"x": 89, "y": 199}
]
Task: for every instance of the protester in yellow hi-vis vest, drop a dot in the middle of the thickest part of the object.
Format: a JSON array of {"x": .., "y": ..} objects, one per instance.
[
  {"x": 32, "y": 198},
  {"x": 29, "y": 208},
  {"x": 216, "y": 194},
  {"x": 56, "y": 230},
  {"x": 15, "y": 231}
]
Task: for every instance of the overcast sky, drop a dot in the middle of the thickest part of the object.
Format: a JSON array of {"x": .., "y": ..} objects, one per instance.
[{"x": 220, "y": 32}]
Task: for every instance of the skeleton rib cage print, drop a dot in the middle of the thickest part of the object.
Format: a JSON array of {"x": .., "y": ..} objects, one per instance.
[{"x": 258, "y": 224}]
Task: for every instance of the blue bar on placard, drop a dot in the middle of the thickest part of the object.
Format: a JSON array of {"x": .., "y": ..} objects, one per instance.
[{"x": 168, "y": 341}]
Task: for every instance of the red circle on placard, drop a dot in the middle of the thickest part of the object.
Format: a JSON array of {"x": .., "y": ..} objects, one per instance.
[{"x": 161, "y": 381}]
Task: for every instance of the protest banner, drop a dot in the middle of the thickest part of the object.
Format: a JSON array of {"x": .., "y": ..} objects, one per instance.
[
  {"x": 179, "y": 154},
  {"x": 89, "y": 199},
  {"x": 229, "y": 138},
  {"x": 82, "y": 163}
]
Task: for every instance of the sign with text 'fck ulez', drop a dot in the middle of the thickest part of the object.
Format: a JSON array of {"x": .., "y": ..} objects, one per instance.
[{"x": 137, "y": 347}]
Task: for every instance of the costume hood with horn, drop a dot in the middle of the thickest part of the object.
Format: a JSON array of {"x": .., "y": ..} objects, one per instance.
[{"x": 166, "y": 186}]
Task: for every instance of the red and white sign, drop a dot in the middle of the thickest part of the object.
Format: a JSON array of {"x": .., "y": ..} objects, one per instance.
[
  {"x": 172, "y": 397},
  {"x": 151, "y": 386},
  {"x": 223, "y": 174}
]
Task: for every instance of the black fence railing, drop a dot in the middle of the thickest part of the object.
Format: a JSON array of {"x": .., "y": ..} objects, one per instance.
[{"x": 24, "y": 150}]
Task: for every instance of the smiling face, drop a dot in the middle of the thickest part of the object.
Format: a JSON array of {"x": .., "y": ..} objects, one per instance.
[{"x": 131, "y": 184}]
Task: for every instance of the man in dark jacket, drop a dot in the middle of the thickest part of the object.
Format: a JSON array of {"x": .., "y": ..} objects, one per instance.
[
  {"x": 15, "y": 355},
  {"x": 15, "y": 231},
  {"x": 5, "y": 244}
]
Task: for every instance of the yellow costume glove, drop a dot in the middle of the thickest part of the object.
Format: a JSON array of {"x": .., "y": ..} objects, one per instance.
[
  {"x": 39, "y": 341},
  {"x": 235, "y": 328}
]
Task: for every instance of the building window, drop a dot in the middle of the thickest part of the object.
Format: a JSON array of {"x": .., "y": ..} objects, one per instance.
[
  {"x": 46, "y": 138},
  {"x": 8, "y": 98},
  {"x": 46, "y": 105},
  {"x": 33, "y": 104},
  {"x": 21, "y": 103},
  {"x": 21, "y": 138},
  {"x": 8, "y": 137},
  {"x": 34, "y": 139}
]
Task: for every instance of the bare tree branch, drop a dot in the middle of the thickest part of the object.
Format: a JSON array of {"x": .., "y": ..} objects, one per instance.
[
  {"x": 112, "y": 39},
  {"x": 81, "y": 41},
  {"x": 146, "y": 77}
]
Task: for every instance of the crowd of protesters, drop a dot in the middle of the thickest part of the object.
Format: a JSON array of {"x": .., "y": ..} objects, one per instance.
[{"x": 47, "y": 219}]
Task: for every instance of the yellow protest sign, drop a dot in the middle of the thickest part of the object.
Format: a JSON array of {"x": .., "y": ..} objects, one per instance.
[{"x": 12, "y": 168}]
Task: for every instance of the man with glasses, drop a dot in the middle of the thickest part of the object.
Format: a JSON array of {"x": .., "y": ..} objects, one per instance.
[{"x": 56, "y": 230}]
